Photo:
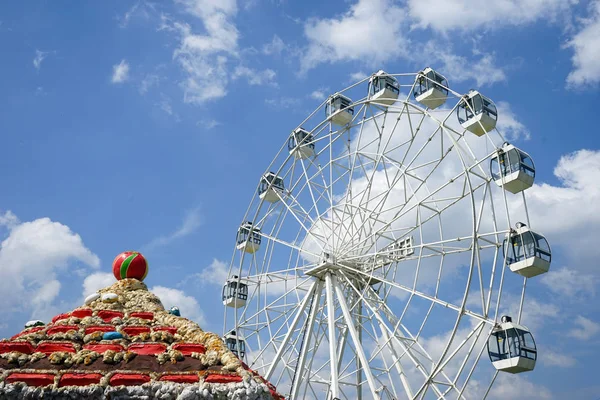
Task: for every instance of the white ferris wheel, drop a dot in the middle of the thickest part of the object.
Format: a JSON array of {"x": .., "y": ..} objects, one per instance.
[{"x": 386, "y": 252}]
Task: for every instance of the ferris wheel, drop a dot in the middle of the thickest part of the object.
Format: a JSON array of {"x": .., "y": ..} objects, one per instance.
[{"x": 386, "y": 251}]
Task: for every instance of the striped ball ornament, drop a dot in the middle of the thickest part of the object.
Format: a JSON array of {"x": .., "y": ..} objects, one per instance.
[{"x": 130, "y": 264}]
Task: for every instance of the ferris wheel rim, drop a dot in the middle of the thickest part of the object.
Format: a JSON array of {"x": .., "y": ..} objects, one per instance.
[{"x": 474, "y": 237}]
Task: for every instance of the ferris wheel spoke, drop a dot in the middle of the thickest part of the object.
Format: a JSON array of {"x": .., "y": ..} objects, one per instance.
[
  {"x": 273, "y": 305},
  {"x": 410, "y": 347},
  {"x": 289, "y": 245},
  {"x": 395, "y": 340}
]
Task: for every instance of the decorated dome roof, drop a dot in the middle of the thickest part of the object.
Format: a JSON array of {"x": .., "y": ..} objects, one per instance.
[{"x": 122, "y": 343}]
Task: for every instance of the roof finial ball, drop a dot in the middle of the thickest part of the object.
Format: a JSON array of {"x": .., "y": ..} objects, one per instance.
[{"x": 130, "y": 264}]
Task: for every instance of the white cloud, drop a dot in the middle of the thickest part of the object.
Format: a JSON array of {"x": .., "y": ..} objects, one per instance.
[
  {"x": 358, "y": 76},
  {"x": 39, "y": 57},
  {"x": 9, "y": 220},
  {"x": 97, "y": 281},
  {"x": 586, "y": 47},
  {"x": 587, "y": 328},
  {"x": 204, "y": 58},
  {"x": 567, "y": 282},
  {"x": 120, "y": 72},
  {"x": 318, "y": 94},
  {"x": 191, "y": 221},
  {"x": 510, "y": 127},
  {"x": 483, "y": 71},
  {"x": 283, "y": 102},
  {"x": 254, "y": 77},
  {"x": 216, "y": 273},
  {"x": 31, "y": 257},
  {"x": 188, "y": 305},
  {"x": 517, "y": 387},
  {"x": 358, "y": 34},
  {"x": 149, "y": 81},
  {"x": 444, "y": 15},
  {"x": 46, "y": 294},
  {"x": 139, "y": 9},
  {"x": 556, "y": 359},
  {"x": 275, "y": 47},
  {"x": 577, "y": 201},
  {"x": 208, "y": 124}
]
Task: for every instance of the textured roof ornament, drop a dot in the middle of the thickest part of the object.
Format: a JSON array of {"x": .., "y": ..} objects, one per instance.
[{"x": 128, "y": 347}]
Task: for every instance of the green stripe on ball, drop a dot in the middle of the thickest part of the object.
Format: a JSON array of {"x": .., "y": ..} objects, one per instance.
[{"x": 125, "y": 265}]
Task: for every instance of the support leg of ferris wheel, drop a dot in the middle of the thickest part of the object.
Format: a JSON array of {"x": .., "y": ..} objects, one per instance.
[
  {"x": 308, "y": 332},
  {"x": 358, "y": 367},
  {"x": 334, "y": 386},
  {"x": 355, "y": 337},
  {"x": 309, "y": 295}
]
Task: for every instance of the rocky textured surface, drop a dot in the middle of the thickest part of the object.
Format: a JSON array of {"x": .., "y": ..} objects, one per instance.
[{"x": 125, "y": 345}]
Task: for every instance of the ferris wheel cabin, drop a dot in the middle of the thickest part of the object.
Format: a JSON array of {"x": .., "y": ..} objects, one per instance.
[
  {"x": 248, "y": 238},
  {"x": 528, "y": 253},
  {"x": 511, "y": 347},
  {"x": 235, "y": 293},
  {"x": 383, "y": 88},
  {"x": 338, "y": 109},
  {"x": 301, "y": 144},
  {"x": 236, "y": 344},
  {"x": 512, "y": 169},
  {"x": 476, "y": 113},
  {"x": 271, "y": 187},
  {"x": 431, "y": 88}
]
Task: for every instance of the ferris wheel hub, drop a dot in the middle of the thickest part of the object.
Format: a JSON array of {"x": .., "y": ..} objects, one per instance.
[{"x": 352, "y": 271}]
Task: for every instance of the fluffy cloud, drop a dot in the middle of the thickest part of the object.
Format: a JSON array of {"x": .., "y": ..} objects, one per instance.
[
  {"x": 32, "y": 256},
  {"x": 120, "y": 72},
  {"x": 97, "y": 281},
  {"x": 254, "y": 77},
  {"x": 509, "y": 125},
  {"x": 570, "y": 283},
  {"x": 556, "y": 359},
  {"x": 204, "y": 57},
  {"x": 586, "y": 47},
  {"x": 216, "y": 273},
  {"x": 483, "y": 71},
  {"x": 188, "y": 305},
  {"x": 39, "y": 57},
  {"x": 356, "y": 35},
  {"x": 577, "y": 201},
  {"x": 191, "y": 221},
  {"x": 444, "y": 15},
  {"x": 318, "y": 94},
  {"x": 275, "y": 47},
  {"x": 585, "y": 328}
]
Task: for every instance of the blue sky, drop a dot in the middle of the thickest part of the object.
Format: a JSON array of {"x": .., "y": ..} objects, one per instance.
[{"x": 138, "y": 125}]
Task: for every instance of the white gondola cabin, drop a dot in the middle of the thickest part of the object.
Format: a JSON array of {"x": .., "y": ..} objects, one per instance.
[
  {"x": 248, "y": 238},
  {"x": 301, "y": 145},
  {"x": 512, "y": 169},
  {"x": 235, "y": 293},
  {"x": 338, "y": 109},
  {"x": 236, "y": 344},
  {"x": 511, "y": 347},
  {"x": 476, "y": 113},
  {"x": 528, "y": 253},
  {"x": 383, "y": 88},
  {"x": 271, "y": 187},
  {"x": 431, "y": 88}
]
